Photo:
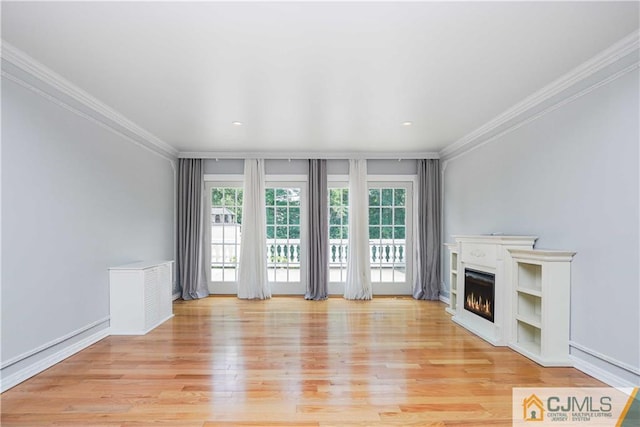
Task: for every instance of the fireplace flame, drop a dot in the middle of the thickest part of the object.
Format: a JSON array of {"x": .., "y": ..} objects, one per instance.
[{"x": 479, "y": 304}]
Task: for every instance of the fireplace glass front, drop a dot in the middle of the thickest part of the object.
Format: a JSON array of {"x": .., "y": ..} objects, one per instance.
[{"x": 479, "y": 293}]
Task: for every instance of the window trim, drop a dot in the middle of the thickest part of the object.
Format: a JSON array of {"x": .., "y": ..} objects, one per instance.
[{"x": 409, "y": 184}]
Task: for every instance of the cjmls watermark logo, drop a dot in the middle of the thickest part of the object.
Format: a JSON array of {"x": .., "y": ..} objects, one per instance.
[
  {"x": 619, "y": 407},
  {"x": 533, "y": 408}
]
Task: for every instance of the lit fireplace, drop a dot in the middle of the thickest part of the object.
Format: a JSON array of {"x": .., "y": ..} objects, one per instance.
[{"x": 479, "y": 293}]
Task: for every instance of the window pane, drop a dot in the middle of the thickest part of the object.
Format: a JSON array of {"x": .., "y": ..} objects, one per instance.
[
  {"x": 294, "y": 232},
  {"x": 270, "y": 232},
  {"x": 294, "y": 197},
  {"x": 282, "y": 217},
  {"x": 387, "y": 197},
  {"x": 271, "y": 275},
  {"x": 281, "y": 232},
  {"x": 374, "y": 216},
  {"x": 387, "y": 233},
  {"x": 229, "y": 196},
  {"x": 269, "y": 197},
  {"x": 281, "y": 197},
  {"x": 398, "y": 233},
  {"x": 216, "y": 197},
  {"x": 374, "y": 197},
  {"x": 294, "y": 216},
  {"x": 334, "y": 232},
  {"x": 387, "y": 216},
  {"x": 345, "y": 197},
  {"x": 399, "y": 196},
  {"x": 399, "y": 216},
  {"x": 374, "y": 232},
  {"x": 270, "y": 215},
  {"x": 334, "y": 215}
]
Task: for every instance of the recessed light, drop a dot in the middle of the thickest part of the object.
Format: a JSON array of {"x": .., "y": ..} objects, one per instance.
[
  {"x": 407, "y": 123},
  {"x": 237, "y": 123}
]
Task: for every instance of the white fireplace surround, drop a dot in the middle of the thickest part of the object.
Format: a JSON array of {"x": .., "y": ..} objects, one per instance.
[{"x": 490, "y": 254}]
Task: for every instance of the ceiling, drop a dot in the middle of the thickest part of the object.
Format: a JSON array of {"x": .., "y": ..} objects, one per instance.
[{"x": 305, "y": 76}]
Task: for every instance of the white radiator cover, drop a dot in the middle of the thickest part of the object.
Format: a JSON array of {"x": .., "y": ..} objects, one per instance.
[{"x": 140, "y": 296}]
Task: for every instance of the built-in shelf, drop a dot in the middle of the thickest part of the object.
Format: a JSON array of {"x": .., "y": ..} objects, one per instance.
[
  {"x": 529, "y": 306},
  {"x": 531, "y": 321},
  {"x": 529, "y": 276},
  {"x": 541, "y": 281},
  {"x": 453, "y": 278},
  {"x": 532, "y": 292},
  {"x": 529, "y": 340}
]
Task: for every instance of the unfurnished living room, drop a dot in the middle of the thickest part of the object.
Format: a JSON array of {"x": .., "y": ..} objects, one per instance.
[{"x": 320, "y": 213}]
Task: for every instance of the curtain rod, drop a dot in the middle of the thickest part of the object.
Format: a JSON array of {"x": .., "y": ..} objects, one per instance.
[{"x": 271, "y": 155}]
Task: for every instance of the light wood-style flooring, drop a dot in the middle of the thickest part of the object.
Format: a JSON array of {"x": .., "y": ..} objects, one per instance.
[{"x": 286, "y": 362}]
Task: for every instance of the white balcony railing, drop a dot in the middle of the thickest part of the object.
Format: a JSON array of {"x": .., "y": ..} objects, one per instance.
[{"x": 385, "y": 253}]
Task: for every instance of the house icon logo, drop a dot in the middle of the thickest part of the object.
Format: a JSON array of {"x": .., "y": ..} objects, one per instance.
[{"x": 533, "y": 408}]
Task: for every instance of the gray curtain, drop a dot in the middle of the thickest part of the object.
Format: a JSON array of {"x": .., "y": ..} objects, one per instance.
[
  {"x": 318, "y": 265},
  {"x": 428, "y": 239},
  {"x": 191, "y": 225}
]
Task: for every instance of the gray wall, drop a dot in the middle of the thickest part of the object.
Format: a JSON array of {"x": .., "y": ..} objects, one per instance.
[
  {"x": 571, "y": 178},
  {"x": 76, "y": 199}
]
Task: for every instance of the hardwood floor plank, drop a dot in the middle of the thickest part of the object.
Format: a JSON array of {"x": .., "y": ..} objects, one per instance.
[{"x": 222, "y": 361}]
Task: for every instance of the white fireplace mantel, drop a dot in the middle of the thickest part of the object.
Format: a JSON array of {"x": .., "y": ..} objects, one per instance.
[{"x": 490, "y": 254}]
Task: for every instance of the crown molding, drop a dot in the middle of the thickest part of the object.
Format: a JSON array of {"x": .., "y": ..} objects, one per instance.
[
  {"x": 105, "y": 114},
  {"x": 536, "y": 115},
  {"x": 519, "y": 111},
  {"x": 329, "y": 155}
]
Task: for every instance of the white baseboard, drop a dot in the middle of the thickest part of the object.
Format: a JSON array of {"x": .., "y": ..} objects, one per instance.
[
  {"x": 599, "y": 373},
  {"x": 25, "y": 373},
  {"x": 176, "y": 296},
  {"x": 603, "y": 368},
  {"x": 444, "y": 299},
  {"x": 51, "y": 344}
]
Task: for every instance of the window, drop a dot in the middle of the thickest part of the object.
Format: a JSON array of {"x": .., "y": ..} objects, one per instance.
[
  {"x": 390, "y": 244},
  {"x": 225, "y": 232},
  {"x": 284, "y": 251},
  {"x": 390, "y": 231},
  {"x": 338, "y": 233},
  {"x": 387, "y": 234},
  {"x": 285, "y": 233}
]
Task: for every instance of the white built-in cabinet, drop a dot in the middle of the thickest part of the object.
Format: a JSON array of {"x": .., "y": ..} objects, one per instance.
[
  {"x": 453, "y": 278},
  {"x": 140, "y": 296},
  {"x": 541, "y": 296}
]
